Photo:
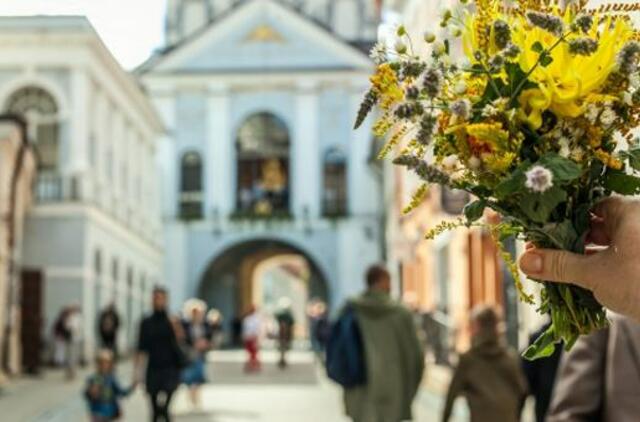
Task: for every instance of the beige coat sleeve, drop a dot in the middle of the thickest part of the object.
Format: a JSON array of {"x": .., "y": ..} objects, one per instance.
[{"x": 578, "y": 394}]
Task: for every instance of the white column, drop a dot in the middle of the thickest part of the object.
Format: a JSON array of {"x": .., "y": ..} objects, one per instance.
[
  {"x": 166, "y": 157},
  {"x": 219, "y": 166},
  {"x": 78, "y": 148},
  {"x": 360, "y": 187},
  {"x": 305, "y": 163}
]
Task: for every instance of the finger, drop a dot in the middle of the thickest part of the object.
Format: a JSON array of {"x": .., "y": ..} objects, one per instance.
[
  {"x": 612, "y": 213},
  {"x": 529, "y": 246},
  {"x": 559, "y": 266}
]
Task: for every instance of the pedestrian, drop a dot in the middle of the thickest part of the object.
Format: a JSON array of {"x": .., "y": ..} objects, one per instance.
[
  {"x": 108, "y": 325},
  {"x": 215, "y": 319},
  {"x": 236, "y": 331},
  {"x": 73, "y": 337},
  {"x": 61, "y": 336},
  {"x": 319, "y": 326},
  {"x": 104, "y": 391},
  {"x": 158, "y": 344},
  {"x": 198, "y": 335},
  {"x": 393, "y": 356},
  {"x": 599, "y": 378},
  {"x": 541, "y": 376},
  {"x": 489, "y": 375},
  {"x": 286, "y": 322},
  {"x": 251, "y": 332}
]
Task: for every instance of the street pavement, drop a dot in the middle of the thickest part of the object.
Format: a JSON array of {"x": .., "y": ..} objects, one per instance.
[{"x": 300, "y": 393}]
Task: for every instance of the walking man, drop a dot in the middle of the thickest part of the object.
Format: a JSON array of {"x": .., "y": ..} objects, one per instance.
[
  {"x": 286, "y": 321},
  {"x": 158, "y": 345},
  {"x": 393, "y": 356}
]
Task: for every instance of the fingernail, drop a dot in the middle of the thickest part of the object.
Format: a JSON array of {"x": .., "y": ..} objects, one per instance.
[{"x": 531, "y": 263}]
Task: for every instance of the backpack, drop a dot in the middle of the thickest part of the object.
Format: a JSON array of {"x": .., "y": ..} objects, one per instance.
[{"x": 345, "y": 351}]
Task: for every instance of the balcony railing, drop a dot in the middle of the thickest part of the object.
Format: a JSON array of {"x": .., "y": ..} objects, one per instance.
[{"x": 191, "y": 205}]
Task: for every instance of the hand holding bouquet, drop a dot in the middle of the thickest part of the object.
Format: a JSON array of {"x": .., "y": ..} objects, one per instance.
[{"x": 535, "y": 122}]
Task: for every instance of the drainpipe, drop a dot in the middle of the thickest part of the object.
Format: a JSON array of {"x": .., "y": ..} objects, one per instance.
[{"x": 10, "y": 299}]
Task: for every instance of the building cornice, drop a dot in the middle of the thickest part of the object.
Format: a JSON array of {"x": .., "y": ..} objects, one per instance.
[{"x": 50, "y": 42}]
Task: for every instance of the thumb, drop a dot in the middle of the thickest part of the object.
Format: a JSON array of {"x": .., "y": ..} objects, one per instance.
[{"x": 558, "y": 266}]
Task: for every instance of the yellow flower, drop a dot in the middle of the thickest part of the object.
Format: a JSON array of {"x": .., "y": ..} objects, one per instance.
[
  {"x": 608, "y": 160},
  {"x": 565, "y": 84},
  {"x": 491, "y": 134},
  {"x": 499, "y": 163},
  {"x": 385, "y": 84}
]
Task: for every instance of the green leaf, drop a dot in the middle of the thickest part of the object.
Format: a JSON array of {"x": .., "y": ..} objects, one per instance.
[
  {"x": 564, "y": 233},
  {"x": 622, "y": 183},
  {"x": 537, "y": 47},
  {"x": 539, "y": 206},
  {"x": 516, "y": 76},
  {"x": 474, "y": 210},
  {"x": 545, "y": 60},
  {"x": 563, "y": 169},
  {"x": 543, "y": 347},
  {"x": 511, "y": 184},
  {"x": 634, "y": 158}
]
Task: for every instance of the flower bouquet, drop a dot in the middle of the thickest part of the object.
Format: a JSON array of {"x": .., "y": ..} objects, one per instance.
[{"x": 534, "y": 121}]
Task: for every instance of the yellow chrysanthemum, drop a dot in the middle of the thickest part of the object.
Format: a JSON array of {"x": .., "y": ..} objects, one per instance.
[{"x": 569, "y": 79}]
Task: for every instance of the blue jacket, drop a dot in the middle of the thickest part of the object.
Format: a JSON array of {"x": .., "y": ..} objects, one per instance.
[{"x": 110, "y": 391}]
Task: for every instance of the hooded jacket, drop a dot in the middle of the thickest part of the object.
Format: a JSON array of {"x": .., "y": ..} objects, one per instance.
[
  {"x": 394, "y": 361},
  {"x": 489, "y": 376}
]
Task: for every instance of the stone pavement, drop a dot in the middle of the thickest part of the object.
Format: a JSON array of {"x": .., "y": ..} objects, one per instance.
[{"x": 300, "y": 393}]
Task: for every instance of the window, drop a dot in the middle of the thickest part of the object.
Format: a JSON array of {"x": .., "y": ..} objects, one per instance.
[
  {"x": 97, "y": 262},
  {"x": 114, "y": 269},
  {"x": 335, "y": 183},
  {"x": 263, "y": 165},
  {"x": 40, "y": 110},
  {"x": 191, "y": 186}
]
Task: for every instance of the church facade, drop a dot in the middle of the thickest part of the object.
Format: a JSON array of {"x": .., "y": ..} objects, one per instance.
[{"x": 260, "y": 161}]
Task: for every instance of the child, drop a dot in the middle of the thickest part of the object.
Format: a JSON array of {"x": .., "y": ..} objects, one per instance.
[{"x": 103, "y": 390}]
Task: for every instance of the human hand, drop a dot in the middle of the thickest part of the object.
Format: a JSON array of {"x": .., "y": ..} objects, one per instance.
[
  {"x": 612, "y": 274},
  {"x": 94, "y": 391}
]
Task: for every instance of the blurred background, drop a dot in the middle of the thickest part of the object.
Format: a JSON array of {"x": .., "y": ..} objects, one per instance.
[{"x": 207, "y": 146}]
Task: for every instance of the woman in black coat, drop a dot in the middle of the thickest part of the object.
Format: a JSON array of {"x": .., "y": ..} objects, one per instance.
[{"x": 159, "y": 344}]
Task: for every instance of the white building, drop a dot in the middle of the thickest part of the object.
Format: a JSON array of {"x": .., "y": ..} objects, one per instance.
[
  {"x": 259, "y": 100},
  {"x": 94, "y": 234}
]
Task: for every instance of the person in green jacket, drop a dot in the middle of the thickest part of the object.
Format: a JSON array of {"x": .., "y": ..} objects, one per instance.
[
  {"x": 489, "y": 375},
  {"x": 393, "y": 355}
]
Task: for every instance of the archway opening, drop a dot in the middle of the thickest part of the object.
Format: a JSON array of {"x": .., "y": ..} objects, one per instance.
[{"x": 263, "y": 273}]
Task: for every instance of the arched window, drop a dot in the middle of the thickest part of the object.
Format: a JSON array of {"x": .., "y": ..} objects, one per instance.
[
  {"x": 263, "y": 165},
  {"x": 191, "y": 186},
  {"x": 335, "y": 183},
  {"x": 40, "y": 110}
]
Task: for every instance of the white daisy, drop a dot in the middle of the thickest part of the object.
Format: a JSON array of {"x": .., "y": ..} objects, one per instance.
[
  {"x": 608, "y": 117},
  {"x": 378, "y": 53},
  {"x": 592, "y": 113},
  {"x": 539, "y": 179}
]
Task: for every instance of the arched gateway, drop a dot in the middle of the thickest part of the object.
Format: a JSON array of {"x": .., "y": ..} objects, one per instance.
[{"x": 262, "y": 272}]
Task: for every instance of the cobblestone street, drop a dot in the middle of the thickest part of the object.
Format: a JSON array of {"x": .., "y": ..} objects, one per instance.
[{"x": 299, "y": 394}]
